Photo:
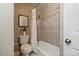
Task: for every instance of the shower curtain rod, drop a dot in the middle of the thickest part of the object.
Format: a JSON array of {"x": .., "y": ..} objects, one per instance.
[{"x": 36, "y": 5}]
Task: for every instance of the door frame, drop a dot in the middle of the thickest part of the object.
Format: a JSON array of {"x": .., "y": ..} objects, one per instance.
[{"x": 61, "y": 29}]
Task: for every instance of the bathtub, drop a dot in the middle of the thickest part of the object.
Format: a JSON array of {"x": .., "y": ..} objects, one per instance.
[{"x": 47, "y": 49}]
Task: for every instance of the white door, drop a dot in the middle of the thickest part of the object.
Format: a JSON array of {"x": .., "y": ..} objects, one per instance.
[{"x": 71, "y": 29}]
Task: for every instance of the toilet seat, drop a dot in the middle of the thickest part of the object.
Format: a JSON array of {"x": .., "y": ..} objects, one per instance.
[{"x": 26, "y": 48}]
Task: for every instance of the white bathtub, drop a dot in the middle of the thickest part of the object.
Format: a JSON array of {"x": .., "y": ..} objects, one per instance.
[{"x": 47, "y": 49}]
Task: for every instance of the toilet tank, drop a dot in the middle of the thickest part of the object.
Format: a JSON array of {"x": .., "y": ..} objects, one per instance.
[{"x": 24, "y": 39}]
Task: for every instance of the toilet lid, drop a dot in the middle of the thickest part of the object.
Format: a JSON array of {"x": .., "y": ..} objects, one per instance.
[{"x": 26, "y": 48}]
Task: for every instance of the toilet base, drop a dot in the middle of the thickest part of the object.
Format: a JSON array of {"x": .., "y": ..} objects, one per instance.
[{"x": 25, "y": 54}]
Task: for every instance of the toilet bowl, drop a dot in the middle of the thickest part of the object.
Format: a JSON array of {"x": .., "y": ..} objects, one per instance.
[{"x": 26, "y": 48}]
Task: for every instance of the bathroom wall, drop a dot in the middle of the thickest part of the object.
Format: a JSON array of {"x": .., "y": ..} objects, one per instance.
[
  {"x": 48, "y": 23},
  {"x": 23, "y": 9},
  {"x": 6, "y": 29}
]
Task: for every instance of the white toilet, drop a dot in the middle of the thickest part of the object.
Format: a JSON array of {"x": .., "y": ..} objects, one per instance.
[{"x": 26, "y": 48}]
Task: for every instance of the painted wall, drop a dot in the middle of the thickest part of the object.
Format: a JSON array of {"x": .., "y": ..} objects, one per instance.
[
  {"x": 6, "y": 29},
  {"x": 23, "y": 9},
  {"x": 48, "y": 23}
]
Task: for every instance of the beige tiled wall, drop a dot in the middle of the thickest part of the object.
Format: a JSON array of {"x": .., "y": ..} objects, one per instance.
[
  {"x": 48, "y": 23},
  {"x": 23, "y": 9}
]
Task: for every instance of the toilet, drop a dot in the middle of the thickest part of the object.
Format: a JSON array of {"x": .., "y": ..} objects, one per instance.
[{"x": 26, "y": 48}]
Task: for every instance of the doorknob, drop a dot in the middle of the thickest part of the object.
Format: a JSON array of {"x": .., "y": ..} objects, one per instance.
[{"x": 68, "y": 41}]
